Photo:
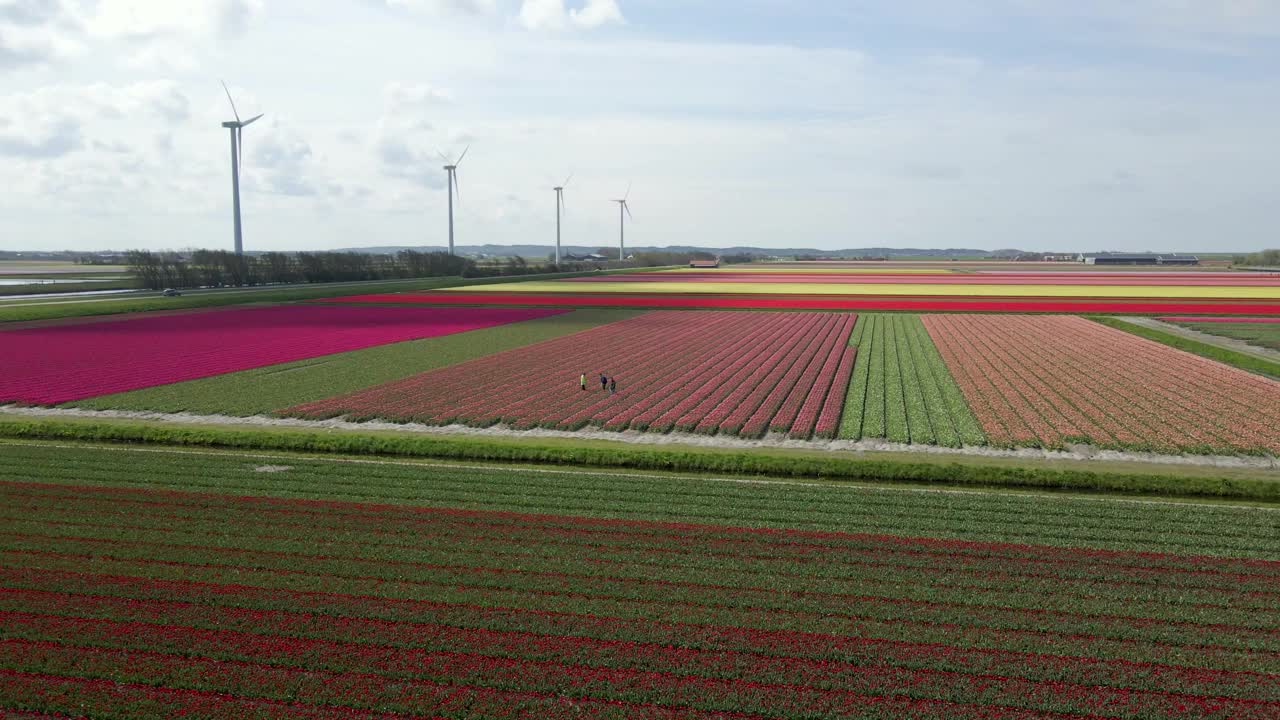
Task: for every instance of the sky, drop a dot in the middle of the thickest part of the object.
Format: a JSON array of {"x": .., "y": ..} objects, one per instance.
[{"x": 1034, "y": 124}]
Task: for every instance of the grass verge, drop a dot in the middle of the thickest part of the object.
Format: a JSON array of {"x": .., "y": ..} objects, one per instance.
[
  {"x": 973, "y": 471},
  {"x": 1244, "y": 361},
  {"x": 1265, "y": 336}
]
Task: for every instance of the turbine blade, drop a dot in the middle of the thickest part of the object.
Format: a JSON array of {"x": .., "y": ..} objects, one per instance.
[
  {"x": 252, "y": 120},
  {"x": 464, "y": 154},
  {"x": 442, "y": 157},
  {"x": 566, "y": 181},
  {"x": 562, "y": 207},
  {"x": 457, "y": 191},
  {"x": 233, "y": 102},
  {"x": 627, "y": 194},
  {"x": 628, "y": 209}
]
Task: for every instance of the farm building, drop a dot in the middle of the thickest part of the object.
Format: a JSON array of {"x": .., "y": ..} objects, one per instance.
[
  {"x": 705, "y": 263},
  {"x": 1108, "y": 258}
]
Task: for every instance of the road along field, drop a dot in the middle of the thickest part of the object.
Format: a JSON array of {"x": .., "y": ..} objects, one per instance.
[
  {"x": 151, "y": 583},
  {"x": 56, "y": 364},
  {"x": 1058, "y": 380},
  {"x": 733, "y": 373}
]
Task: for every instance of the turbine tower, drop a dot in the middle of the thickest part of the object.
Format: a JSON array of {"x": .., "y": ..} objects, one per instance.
[
  {"x": 236, "y": 127},
  {"x": 451, "y": 181},
  {"x": 559, "y": 207},
  {"x": 622, "y": 223}
]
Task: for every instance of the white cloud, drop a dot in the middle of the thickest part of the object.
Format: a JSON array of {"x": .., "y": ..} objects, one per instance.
[
  {"x": 551, "y": 14},
  {"x": 542, "y": 14},
  {"x": 51, "y": 138},
  {"x": 283, "y": 159},
  {"x": 149, "y": 19},
  {"x": 596, "y": 13},
  {"x": 36, "y": 32},
  {"x": 446, "y": 7}
]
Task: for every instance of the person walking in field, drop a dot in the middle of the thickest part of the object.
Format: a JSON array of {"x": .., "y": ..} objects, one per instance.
[
  {"x": 613, "y": 385},
  {"x": 582, "y": 381},
  {"x": 604, "y": 382}
]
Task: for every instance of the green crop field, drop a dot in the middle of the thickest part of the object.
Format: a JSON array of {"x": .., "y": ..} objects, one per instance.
[
  {"x": 262, "y": 390},
  {"x": 901, "y": 389},
  {"x": 1264, "y": 335},
  {"x": 148, "y": 582}
]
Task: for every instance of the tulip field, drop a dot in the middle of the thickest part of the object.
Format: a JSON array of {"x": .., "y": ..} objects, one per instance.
[
  {"x": 901, "y": 389},
  {"x": 734, "y": 373},
  {"x": 806, "y": 490},
  {"x": 834, "y": 286},
  {"x": 145, "y": 583},
  {"x": 49, "y": 365},
  {"x": 1058, "y": 380}
]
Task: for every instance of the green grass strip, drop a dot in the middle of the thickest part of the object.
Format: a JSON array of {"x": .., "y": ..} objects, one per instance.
[
  {"x": 964, "y": 471},
  {"x": 919, "y": 426},
  {"x": 1244, "y": 361},
  {"x": 895, "y": 399},
  {"x": 939, "y": 417},
  {"x": 1260, "y": 335},
  {"x": 873, "y": 423},
  {"x": 266, "y": 389}
]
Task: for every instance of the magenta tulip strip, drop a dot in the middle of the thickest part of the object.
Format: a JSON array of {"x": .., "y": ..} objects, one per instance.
[
  {"x": 61, "y": 363},
  {"x": 736, "y": 373}
]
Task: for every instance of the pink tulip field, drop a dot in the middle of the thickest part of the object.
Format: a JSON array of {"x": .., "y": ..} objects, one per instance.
[{"x": 737, "y": 373}]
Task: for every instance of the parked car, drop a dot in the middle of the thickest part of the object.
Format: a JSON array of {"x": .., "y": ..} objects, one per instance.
[{"x": 170, "y": 292}]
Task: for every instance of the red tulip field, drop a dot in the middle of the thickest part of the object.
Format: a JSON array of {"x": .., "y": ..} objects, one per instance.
[
  {"x": 734, "y": 373},
  {"x": 153, "y": 583},
  {"x": 1057, "y": 380},
  {"x": 60, "y": 363}
]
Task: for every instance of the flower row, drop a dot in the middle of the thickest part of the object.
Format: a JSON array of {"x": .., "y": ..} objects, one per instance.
[{"x": 735, "y": 373}]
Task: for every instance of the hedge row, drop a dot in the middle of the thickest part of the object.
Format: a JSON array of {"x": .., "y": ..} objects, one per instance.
[{"x": 737, "y": 463}]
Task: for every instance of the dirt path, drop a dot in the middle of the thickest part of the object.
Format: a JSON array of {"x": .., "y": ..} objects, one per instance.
[
  {"x": 780, "y": 441},
  {"x": 1217, "y": 340}
]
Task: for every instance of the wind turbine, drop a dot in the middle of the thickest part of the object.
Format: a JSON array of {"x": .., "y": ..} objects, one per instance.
[
  {"x": 236, "y": 127},
  {"x": 622, "y": 223},
  {"x": 560, "y": 206},
  {"x": 451, "y": 167}
]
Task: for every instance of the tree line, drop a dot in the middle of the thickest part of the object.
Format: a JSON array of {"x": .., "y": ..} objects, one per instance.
[
  {"x": 1265, "y": 258},
  {"x": 219, "y": 268}
]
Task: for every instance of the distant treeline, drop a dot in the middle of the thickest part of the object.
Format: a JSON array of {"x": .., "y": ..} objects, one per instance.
[
  {"x": 1266, "y": 258},
  {"x": 217, "y": 268}
]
